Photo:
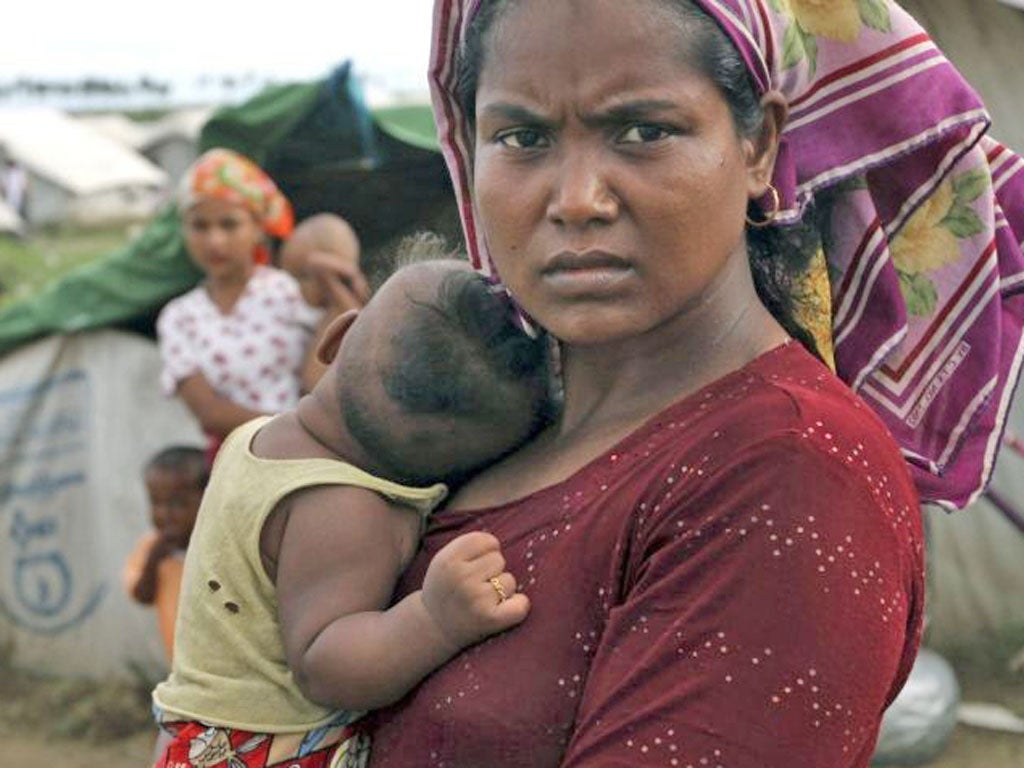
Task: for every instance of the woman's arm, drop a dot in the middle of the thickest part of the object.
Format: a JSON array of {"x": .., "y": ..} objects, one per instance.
[
  {"x": 340, "y": 555},
  {"x": 216, "y": 414},
  {"x": 767, "y": 625}
]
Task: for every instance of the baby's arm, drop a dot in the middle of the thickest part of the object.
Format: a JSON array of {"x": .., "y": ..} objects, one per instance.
[{"x": 341, "y": 554}]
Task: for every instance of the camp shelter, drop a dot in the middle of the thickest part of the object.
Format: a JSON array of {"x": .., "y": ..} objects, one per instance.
[
  {"x": 79, "y": 417},
  {"x": 121, "y": 128},
  {"x": 172, "y": 142},
  {"x": 76, "y": 173}
]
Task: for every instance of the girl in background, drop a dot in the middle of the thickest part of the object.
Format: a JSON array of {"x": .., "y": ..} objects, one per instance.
[{"x": 233, "y": 347}]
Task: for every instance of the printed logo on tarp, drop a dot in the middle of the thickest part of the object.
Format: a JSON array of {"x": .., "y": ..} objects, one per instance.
[{"x": 43, "y": 457}]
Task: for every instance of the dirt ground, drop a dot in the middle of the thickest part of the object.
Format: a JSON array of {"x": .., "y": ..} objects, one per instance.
[
  {"x": 38, "y": 750},
  {"x": 82, "y": 725}
]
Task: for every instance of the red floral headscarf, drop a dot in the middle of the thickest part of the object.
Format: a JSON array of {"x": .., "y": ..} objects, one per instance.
[{"x": 222, "y": 174}]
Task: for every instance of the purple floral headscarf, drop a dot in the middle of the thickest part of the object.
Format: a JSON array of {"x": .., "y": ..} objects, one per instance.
[{"x": 922, "y": 294}]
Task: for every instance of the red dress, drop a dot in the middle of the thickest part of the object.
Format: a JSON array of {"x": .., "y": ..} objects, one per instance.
[{"x": 739, "y": 583}]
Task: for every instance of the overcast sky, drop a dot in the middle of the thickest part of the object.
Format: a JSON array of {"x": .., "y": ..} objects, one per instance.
[{"x": 387, "y": 39}]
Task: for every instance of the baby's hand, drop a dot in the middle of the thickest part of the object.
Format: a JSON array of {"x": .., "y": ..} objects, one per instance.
[
  {"x": 343, "y": 284},
  {"x": 468, "y": 593}
]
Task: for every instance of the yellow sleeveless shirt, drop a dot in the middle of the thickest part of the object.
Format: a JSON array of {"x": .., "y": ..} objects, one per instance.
[{"x": 229, "y": 665}]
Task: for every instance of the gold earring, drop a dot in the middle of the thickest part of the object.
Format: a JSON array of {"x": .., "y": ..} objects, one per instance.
[{"x": 769, "y": 216}]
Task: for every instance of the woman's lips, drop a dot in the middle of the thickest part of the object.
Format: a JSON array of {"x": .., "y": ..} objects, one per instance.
[{"x": 586, "y": 273}]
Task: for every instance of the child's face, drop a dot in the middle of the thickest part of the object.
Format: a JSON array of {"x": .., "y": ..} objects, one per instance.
[
  {"x": 174, "y": 502},
  {"x": 221, "y": 238}
]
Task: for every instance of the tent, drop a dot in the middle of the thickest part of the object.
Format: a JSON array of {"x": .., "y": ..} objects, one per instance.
[
  {"x": 76, "y": 173},
  {"x": 170, "y": 142}
]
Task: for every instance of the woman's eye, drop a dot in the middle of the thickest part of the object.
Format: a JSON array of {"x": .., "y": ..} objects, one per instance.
[
  {"x": 643, "y": 133},
  {"x": 521, "y": 138}
]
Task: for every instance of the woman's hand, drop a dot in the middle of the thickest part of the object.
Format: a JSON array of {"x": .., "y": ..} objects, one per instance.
[{"x": 461, "y": 590}]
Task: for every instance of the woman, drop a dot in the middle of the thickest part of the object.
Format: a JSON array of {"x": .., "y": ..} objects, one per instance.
[
  {"x": 233, "y": 348},
  {"x": 720, "y": 541}
]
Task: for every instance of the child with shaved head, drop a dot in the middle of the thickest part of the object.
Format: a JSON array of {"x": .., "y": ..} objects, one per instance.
[{"x": 285, "y": 634}]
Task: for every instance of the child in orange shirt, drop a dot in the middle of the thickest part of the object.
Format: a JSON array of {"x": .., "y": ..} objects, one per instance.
[{"x": 175, "y": 478}]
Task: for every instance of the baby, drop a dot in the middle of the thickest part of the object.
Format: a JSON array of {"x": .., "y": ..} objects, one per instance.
[
  {"x": 323, "y": 255},
  {"x": 285, "y": 635}
]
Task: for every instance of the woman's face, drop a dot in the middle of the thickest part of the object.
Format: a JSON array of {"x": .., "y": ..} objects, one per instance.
[
  {"x": 221, "y": 237},
  {"x": 609, "y": 179}
]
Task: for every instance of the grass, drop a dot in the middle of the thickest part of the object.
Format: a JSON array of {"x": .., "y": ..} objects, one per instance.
[{"x": 27, "y": 265}]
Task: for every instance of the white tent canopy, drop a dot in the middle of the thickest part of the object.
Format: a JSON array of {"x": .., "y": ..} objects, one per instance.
[
  {"x": 125, "y": 131},
  {"x": 72, "y": 155},
  {"x": 140, "y": 136},
  {"x": 183, "y": 123}
]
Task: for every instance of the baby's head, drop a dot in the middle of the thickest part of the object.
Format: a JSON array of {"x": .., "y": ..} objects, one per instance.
[
  {"x": 435, "y": 380},
  {"x": 321, "y": 233},
  {"x": 175, "y": 479}
]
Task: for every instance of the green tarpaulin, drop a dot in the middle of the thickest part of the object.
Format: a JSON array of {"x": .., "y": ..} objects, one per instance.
[{"x": 380, "y": 171}]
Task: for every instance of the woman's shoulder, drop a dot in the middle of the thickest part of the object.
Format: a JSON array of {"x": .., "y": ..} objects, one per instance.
[
  {"x": 784, "y": 408},
  {"x": 788, "y": 391},
  {"x": 787, "y": 435}
]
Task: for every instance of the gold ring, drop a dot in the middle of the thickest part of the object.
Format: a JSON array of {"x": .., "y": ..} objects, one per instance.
[{"x": 502, "y": 594}]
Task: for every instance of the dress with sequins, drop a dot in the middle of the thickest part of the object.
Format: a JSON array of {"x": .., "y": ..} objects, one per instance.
[{"x": 739, "y": 583}]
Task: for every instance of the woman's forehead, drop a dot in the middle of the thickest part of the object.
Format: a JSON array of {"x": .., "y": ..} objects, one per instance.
[
  {"x": 601, "y": 52},
  {"x": 567, "y": 35}
]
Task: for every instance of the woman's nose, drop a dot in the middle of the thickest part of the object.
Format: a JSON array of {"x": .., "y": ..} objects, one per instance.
[{"x": 581, "y": 194}]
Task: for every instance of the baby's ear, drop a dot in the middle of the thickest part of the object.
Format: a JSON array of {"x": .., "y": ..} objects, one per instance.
[{"x": 329, "y": 343}]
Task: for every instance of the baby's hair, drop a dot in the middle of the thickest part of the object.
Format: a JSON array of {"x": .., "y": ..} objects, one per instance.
[
  {"x": 458, "y": 357},
  {"x": 186, "y": 459},
  {"x": 411, "y": 249},
  {"x": 468, "y": 322}
]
